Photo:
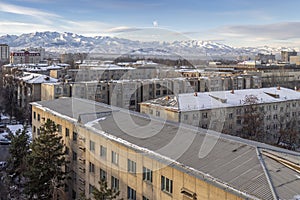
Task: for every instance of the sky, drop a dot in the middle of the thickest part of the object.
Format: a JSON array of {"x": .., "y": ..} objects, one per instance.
[{"x": 233, "y": 22}]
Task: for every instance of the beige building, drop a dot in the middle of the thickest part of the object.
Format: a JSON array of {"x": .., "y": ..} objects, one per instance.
[
  {"x": 285, "y": 55},
  {"x": 295, "y": 60},
  {"x": 149, "y": 159},
  {"x": 223, "y": 111},
  {"x": 50, "y": 91}
]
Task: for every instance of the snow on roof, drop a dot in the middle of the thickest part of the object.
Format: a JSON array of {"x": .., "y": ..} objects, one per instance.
[
  {"x": 37, "y": 78},
  {"x": 222, "y": 99}
]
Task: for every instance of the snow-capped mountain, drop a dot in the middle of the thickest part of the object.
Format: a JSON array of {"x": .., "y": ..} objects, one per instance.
[{"x": 70, "y": 42}]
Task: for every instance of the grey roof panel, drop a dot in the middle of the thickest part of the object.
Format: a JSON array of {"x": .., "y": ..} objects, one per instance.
[{"x": 229, "y": 161}]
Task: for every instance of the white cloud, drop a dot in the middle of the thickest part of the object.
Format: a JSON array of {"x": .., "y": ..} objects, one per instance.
[{"x": 21, "y": 10}]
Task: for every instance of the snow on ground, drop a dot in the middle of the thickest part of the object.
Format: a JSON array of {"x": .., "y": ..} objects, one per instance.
[{"x": 15, "y": 128}]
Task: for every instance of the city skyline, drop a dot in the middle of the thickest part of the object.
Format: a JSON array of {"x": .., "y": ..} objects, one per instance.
[{"x": 235, "y": 23}]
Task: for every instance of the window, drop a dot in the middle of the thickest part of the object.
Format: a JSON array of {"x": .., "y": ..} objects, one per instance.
[
  {"x": 38, "y": 117},
  {"x": 38, "y": 131},
  {"x": 114, "y": 157},
  {"x": 230, "y": 115},
  {"x": 131, "y": 166},
  {"x": 238, "y": 111},
  {"x": 150, "y": 111},
  {"x": 103, "y": 152},
  {"x": 186, "y": 117},
  {"x": 92, "y": 167},
  {"x": 204, "y": 115},
  {"x": 274, "y": 116},
  {"x": 73, "y": 194},
  {"x": 157, "y": 113},
  {"x": 59, "y": 129},
  {"x": 34, "y": 115},
  {"x": 74, "y": 155},
  {"x": 166, "y": 184},
  {"x": 131, "y": 193},
  {"x": 275, "y": 107},
  {"x": 103, "y": 175},
  {"x": 34, "y": 129},
  {"x": 91, "y": 188},
  {"x": 132, "y": 102},
  {"x": 195, "y": 116},
  {"x": 92, "y": 146},
  {"x": 147, "y": 174},
  {"x": 74, "y": 136},
  {"x": 157, "y": 92},
  {"x": 238, "y": 121},
  {"x": 67, "y": 151},
  {"x": 67, "y": 132},
  {"x": 114, "y": 183}
]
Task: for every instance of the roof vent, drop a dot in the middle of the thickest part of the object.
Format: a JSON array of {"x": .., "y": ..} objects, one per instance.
[{"x": 195, "y": 94}]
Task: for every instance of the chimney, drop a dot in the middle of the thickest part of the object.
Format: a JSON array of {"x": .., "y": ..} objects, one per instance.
[
  {"x": 232, "y": 91},
  {"x": 195, "y": 94},
  {"x": 278, "y": 87},
  {"x": 168, "y": 98}
]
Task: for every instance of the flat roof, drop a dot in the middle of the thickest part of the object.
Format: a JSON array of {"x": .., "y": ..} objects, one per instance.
[
  {"x": 234, "y": 164},
  {"x": 223, "y": 99}
]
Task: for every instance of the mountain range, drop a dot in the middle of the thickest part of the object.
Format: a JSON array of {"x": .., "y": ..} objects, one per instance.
[{"x": 71, "y": 42}]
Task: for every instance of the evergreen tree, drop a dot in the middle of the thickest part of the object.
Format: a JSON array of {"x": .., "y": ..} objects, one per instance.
[
  {"x": 18, "y": 151},
  {"x": 45, "y": 173}
]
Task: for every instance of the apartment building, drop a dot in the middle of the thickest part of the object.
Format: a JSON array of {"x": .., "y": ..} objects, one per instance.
[
  {"x": 24, "y": 57},
  {"x": 4, "y": 52},
  {"x": 27, "y": 86},
  {"x": 285, "y": 55},
  {"x": 145, "y": 158},
  {"x": 224, "y": 111},
  {"x": 129, "y": 93}
]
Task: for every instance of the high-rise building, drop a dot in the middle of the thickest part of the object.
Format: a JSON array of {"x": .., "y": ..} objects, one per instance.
[
  {"x": 4, "y": 52},
  {"x": 285, "y": 55}
]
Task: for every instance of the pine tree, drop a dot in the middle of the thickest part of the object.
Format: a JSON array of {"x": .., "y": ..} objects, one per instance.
[
  {"x": 45, "y": 173},
  {"x": 18, "y": 151}
]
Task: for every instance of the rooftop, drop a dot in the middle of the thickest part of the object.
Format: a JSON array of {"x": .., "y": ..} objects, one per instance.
[
  {"x": 33, "y": 78},
  {"x": 223, "y": 99},
  {"x": 247, "y": 168}
]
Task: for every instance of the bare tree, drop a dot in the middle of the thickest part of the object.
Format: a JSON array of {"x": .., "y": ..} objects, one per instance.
[{"x": 252, "y": 119}]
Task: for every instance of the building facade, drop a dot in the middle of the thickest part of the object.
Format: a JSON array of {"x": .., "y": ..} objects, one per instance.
[
  {"x": 25, "y": 57},
  {"x": 4, "y": 52},
  {"x": 225, "y": 111},
  {"x": 101, "y": 143}
]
